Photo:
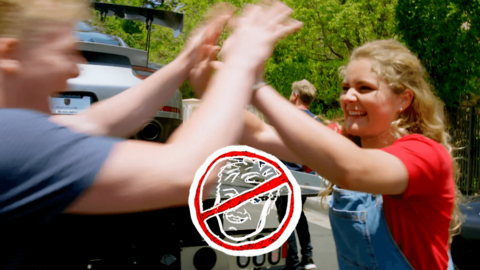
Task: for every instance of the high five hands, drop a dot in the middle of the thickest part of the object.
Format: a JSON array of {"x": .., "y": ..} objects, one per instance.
[{"x": 255, "y": 33}]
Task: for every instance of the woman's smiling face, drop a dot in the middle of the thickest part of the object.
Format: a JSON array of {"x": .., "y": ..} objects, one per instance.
[{"x": 368, "y": 103}]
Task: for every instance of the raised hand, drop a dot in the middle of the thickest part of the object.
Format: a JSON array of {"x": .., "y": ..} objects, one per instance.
[
  {"x": 204, "y": 38},
  {"x": 257, "y": 31},
  {"x": 200, "y": 74},
  {"x": 247, "y": 28}
]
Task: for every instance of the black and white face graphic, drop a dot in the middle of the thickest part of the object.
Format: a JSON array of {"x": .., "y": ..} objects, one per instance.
[
  {"x": 239, "y": 215},
  {"x": 238, "y": 176}
]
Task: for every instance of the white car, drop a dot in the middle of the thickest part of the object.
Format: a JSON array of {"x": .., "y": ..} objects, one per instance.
[{"x": 113, "y": 67}]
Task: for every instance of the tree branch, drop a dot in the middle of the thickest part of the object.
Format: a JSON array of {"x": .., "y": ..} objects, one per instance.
[
  {"x": 348, "y": 44},
  {"x": 323, "y": 58},
  {"x": 325, "y": 37},
  {"x": 359, "y": 40}
]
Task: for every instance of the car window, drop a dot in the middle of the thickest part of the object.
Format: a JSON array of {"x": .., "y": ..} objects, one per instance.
[{"x": 98, "y": 58}]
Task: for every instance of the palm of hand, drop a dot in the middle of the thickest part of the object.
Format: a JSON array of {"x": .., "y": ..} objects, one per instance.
[
  {"x": 257, "y": 31},
  {"x": 255, "y": 34}
]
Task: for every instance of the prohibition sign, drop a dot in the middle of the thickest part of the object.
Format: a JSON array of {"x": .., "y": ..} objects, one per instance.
[{"x": 250, "y": 248}]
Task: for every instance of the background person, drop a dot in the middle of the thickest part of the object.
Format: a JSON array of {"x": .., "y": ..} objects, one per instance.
[
  {"x": 303, "y": 93},
  {"x": 47, "y": 169}
]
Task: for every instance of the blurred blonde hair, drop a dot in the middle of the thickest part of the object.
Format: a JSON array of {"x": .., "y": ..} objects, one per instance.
[
  {"x": 19, "y": 18},
  {"x": 403, "y": 70},
  {"x": 306, "y": 91}
]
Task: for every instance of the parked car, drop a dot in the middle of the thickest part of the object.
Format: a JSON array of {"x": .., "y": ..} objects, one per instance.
[
  {"x": 466, "y": 245},
  {"x": 112, "y": 67}
]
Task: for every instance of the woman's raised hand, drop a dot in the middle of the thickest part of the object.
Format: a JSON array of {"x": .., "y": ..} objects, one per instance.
[{"x": 257, "y": 31}]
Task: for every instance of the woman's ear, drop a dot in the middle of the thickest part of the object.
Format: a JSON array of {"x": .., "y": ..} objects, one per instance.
[
  {"x": 8, "y": 49},
  {"x": 406, "y": 99}
]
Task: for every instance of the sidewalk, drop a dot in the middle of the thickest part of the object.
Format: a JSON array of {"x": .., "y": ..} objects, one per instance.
[{"x": 316, "y": 204}]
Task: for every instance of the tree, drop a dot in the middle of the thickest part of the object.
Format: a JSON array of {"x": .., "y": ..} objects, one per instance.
[
  {"x": 445, "y": 34},
  {"x": 332, "y": 29}
]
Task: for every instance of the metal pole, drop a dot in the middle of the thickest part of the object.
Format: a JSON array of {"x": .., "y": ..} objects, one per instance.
[
  {"x": 149, "y": 32},
  {"x": 470, "y": 148}
]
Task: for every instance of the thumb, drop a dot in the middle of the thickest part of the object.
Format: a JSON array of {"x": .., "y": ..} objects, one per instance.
[
  {"x": 216, "y": 65},
  {"x": 212, "y": 54}
]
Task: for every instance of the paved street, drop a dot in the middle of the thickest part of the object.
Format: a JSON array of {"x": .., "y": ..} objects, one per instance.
[{"x": 324, "y": 253}]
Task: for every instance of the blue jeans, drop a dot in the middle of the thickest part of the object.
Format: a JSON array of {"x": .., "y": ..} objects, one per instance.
[{"x": 302, "y": 232}]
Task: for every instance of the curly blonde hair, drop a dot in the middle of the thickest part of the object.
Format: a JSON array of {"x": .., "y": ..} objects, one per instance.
[
  {"x": 20, "y": 18},
  {"x": 403, "y": 70}
]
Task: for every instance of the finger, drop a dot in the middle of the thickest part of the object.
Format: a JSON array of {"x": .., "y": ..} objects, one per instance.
[
  {"x": 203, "y": 52},
  {"x": 207, "y": 52},
  {"x": 209, "y": 55},
  {"x": 204, "y": 65},
  {"x": 233, "y": 23},
  {"x": 289, "y": 28},
  {"x": 198, "y": 31},
  {"x": 217, "y": 10},
  {"x": 209, "y": 31},
  {"x": 252, "y": 12},
  {"x": 220, "y": 19},
  {"x": 225, "y": 47},
  {"x": 216, "y": 65},
  {"x": 278, "y": 13},
  {"x": 214, "y": 29},
  {"x": 213, "y": 52}
]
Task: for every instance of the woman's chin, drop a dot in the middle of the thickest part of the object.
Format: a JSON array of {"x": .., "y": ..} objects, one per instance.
[{"x": 354, "y": 130}]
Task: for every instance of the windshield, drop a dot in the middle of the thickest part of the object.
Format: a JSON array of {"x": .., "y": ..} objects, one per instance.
[{"x": 87, "y": 33}]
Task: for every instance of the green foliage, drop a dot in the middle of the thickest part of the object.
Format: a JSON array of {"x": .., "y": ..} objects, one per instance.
[
  {"x": 446, "y": 36},
  {"x": 332, "y": 29}
]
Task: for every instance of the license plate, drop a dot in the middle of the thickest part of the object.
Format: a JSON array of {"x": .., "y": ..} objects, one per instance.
[{"x": 69, "y": 104}]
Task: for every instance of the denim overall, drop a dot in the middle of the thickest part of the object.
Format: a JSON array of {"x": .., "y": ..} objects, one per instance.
[{"x": 362, "y": 238}]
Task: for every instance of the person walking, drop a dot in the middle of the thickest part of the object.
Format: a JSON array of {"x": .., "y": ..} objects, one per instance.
[{"x": 302, "y": 95}]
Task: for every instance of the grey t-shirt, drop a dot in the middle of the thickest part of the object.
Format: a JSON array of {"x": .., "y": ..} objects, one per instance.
[{"x": 44, "y": 167}]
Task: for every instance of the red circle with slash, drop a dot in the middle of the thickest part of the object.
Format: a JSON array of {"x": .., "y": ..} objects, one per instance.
[{"x": 251, "y": 248}]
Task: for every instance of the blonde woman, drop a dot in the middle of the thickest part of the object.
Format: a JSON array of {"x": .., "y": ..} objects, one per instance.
[{"x": 393, "y": 204}]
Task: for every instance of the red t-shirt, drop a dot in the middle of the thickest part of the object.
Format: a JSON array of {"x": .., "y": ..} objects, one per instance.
[
  {"x": 335, "y": 127},
  {"x": 419, "y": 219}
]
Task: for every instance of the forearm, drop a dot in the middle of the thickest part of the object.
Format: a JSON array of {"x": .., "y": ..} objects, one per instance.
[
  {"x": 332, "y": 156},
  {"x": 262, "y": 136},
  {"x": 218, "y": 121},
  {"x": 124, "y": 114}
]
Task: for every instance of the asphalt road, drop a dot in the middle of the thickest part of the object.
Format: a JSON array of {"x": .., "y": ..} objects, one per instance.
[{"x": 324, "y": 254}]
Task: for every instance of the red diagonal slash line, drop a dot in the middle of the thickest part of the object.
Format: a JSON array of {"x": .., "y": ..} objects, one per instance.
[{"x": 233, "y": 202}]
